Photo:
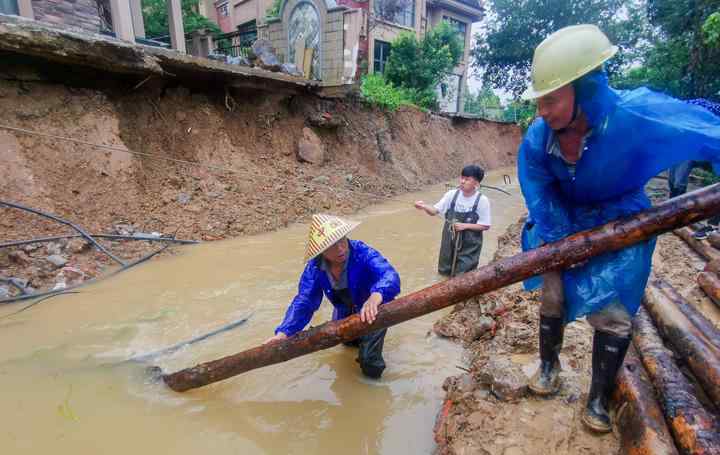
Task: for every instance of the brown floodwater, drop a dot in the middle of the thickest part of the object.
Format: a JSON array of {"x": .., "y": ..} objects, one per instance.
[{"x": 65, "y": 390}]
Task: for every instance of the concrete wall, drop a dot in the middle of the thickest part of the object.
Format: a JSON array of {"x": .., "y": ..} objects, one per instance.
[
  {"x": 386, "y": 31},
  {"x": 75, "y": 13}
]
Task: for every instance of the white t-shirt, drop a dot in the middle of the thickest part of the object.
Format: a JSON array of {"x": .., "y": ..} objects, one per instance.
[{"x": 465, "y": 204}]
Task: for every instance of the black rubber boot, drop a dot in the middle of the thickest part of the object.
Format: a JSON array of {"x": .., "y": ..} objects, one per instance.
[
  {"x": 608, "y": 355},
  {"x": 546, "y": 380}
]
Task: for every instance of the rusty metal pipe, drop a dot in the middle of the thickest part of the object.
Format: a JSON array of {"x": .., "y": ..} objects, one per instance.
[
  {"x": 638, "y": 416},
  {"x": 706, "y": 328},
  {"x": 703, "y": 249},
  {"x": 681, "y": 211},
  {"x": 688, "y": 342},
  {"x": 695, "y": 430},
  {"x": 710, "y": 283}
]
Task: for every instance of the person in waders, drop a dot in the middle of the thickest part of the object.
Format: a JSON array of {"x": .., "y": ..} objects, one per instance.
[
  {"x": 467, "y": 215},
  {"x": 353, "y": 276},
  {"x": 584, "y": 162}
]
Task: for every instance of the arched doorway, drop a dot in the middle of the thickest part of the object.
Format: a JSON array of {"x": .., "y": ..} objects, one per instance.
[{"x": 304, "y": 39}]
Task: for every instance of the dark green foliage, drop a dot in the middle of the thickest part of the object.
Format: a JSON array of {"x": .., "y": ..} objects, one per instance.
[
  {"x": 513, "y": 28},
  {"x": 156, "y": 20},
  {"x": 419, "y": 66}
]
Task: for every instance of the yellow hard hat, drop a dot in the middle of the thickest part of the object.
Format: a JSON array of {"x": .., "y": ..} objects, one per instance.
[
  {"x": 325, "y": 230},
  {"x": 567, "y": 55}
]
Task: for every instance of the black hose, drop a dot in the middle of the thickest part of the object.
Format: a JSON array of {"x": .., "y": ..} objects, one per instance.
[
  {"x": 68, "y": 223},
  {"x": 175, "y": 347},
  {"x": 100, "y": 236},
  {"x": 59, "y": 291}
]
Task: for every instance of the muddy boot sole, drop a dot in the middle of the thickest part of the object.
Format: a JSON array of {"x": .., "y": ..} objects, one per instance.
[
  {"x": 547, "y": 387},
  {"x": 595, "y": 424}
]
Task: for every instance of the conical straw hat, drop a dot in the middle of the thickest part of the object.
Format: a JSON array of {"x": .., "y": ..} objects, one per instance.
[{"x": 325, "y": 230}]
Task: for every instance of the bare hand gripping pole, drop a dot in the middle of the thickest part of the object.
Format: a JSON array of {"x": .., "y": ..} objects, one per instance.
[{"x": 579, "y": 247}]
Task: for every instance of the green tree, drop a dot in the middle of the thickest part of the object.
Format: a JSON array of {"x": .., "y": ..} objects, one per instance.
[
  {"x": 711, "y": 30},
  {"x": 156, "y": 20},
  {"x": 475, "y": 103},
  {"x": 513, "y": 28},
  {"x": 418, "y": 66},
  {"x": 682, "y": 22}
]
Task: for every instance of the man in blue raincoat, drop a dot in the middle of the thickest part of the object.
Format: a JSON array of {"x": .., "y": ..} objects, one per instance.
[
  {"x": 353, "y": 276},
  {"x": 583, "y": 163}
]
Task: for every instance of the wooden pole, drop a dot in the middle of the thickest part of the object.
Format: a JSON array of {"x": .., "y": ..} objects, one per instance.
[
  {"x": 688, "y": 342},
  {"x": 703, "y": 249},
  {"x": 708, "y": 330},
  {"x": 710, "y": 283},
  {"x": 696, "y": 431},
  {"x": 616, "y": 235},
  {"x": 638, "y": 416}
]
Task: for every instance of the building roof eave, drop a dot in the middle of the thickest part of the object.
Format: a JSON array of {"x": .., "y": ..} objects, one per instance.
[{"x": 473, "y": 13}]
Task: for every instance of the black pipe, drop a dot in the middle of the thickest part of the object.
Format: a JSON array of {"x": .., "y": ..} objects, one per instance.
[
  {"x": 59, "y": 291},
  {"x": 100, "y": 236},
  {"x": 68, "y": 223}
]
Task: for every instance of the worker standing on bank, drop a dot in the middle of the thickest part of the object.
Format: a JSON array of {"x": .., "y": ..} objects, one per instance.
[
  {"x": 584, "y": 162},
  {"x": 467, "y": 215},
  {"x": 353, "y": 276}
]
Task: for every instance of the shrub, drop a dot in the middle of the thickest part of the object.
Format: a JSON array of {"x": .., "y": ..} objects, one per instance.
[{"x": 377, "y": 91}]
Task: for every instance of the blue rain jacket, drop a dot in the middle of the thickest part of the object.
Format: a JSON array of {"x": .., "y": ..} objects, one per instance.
[
  {"x": 635, "y": 135},
  {"x": 367, "y": 272}
]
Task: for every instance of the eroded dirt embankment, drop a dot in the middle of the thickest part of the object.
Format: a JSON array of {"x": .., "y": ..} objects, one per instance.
[{"x": 251, "y": 178}]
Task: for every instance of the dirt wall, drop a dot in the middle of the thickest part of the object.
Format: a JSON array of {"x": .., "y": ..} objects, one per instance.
[{"x": 366, "y": 155}]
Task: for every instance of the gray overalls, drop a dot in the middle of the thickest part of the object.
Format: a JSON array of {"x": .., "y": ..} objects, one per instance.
[{"x": 463, "y": 247}]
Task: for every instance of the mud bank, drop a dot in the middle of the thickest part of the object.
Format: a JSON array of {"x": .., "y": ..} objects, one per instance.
[{"x": 487, "y": 410}]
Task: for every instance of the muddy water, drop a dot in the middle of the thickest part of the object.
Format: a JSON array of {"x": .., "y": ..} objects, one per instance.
[{"x": 62, "y": 390}]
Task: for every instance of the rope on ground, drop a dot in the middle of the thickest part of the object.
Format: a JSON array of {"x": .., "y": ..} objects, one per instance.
[{"x": 67, "y": 223}]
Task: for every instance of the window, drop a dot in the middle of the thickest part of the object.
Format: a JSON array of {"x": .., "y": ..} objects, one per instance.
[
  {"x": 9, "y": 7},
  {"x": 247, "y": 33},
  {"x": 461, "y": 28},
  {"x": 223, "y": 10},
  {"x": 401, "y": 12},
  {"x": 380, "y": 56}
]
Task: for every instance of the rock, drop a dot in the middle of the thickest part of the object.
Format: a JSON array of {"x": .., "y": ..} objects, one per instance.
[
  {"x": 124, "y": 228},
  {"x": 466, "y": 325},
  {"x": 56, "y": 260},
  {"x": 20, "y": 257},
  {"x": 31, "y": 247},
  {"x": 240, "y": 60},
  {"x": 505, "y": 379},
  {"x": 73, "y": 274},
  {"x": 53, "y": 248},
  {"x": 310, "y": 148},
  {"x": 265, "y": 57},
  {"x": 77, "y": 246},
  {"x": 321, "y": 180},
  {"x": 291, "y": 69},
  {"x": 183, "y": 198},
  {"x": 325, "y": 120}
]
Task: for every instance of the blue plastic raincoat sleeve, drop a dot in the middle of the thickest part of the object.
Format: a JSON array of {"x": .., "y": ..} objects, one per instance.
[
  {"x": 387, "y": 280},
  {"x": 305, "y": 303},
  {"x": 547, "y": 214}
]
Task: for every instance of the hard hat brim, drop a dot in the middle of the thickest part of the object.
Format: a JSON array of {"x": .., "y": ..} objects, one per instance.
[{"x": 531, "y": 94}]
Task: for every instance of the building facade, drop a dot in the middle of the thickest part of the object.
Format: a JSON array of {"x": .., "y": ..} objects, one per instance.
[{"x": 336, "y": 41}]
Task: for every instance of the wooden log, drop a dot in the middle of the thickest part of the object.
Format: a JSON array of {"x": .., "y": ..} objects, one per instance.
[
  {"x": 713, "y": 266},
  {"x": 710, "y": 283},
  {"x": 703, "y": 249},
  {"x": 695, "y": 430},
  {"x": 638, "y": 416},
  {"x": 707, "y": 328},
  {"x": 714, "y": 240},
  {"x": 688, "y": 342},
  {"x": 576, "y": 248}
]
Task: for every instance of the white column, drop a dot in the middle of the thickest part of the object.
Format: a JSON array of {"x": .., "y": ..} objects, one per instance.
[
  {"x": 25, "y": 8},
  {"x": 177, "y": 31},
  {"x": 137, "y": 18},
  {"x": 122, "y": 20}
]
